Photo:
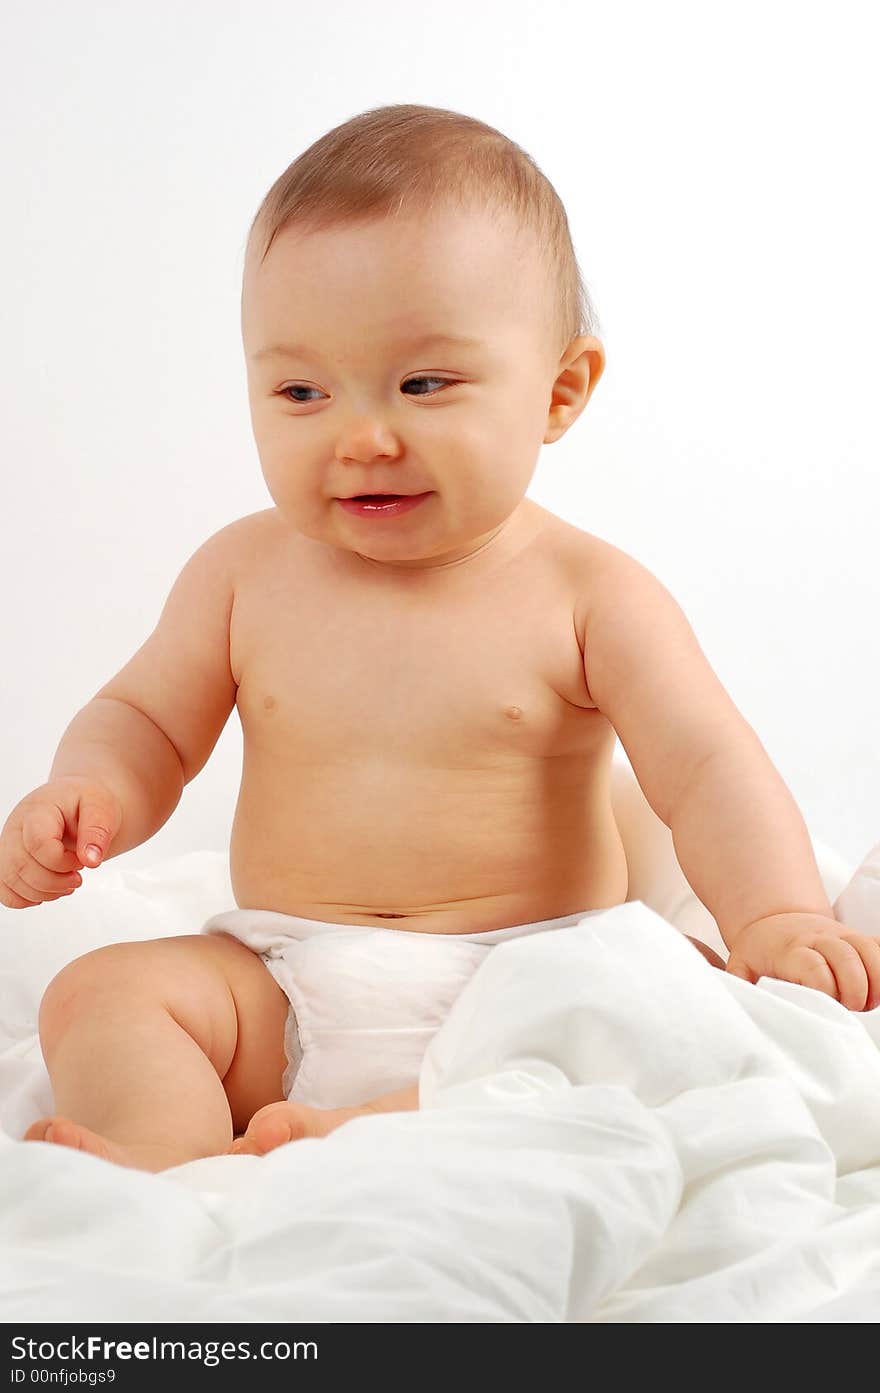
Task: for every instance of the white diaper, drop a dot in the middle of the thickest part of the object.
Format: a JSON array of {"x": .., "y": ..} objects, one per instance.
[{"x": 365, "y": 1001}]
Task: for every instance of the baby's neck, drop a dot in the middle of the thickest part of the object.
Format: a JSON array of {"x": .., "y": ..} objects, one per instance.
[{"x": 503, "y": 542}]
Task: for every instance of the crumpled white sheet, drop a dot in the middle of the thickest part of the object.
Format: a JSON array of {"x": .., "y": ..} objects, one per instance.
[{"x": 610, "y": 1130}]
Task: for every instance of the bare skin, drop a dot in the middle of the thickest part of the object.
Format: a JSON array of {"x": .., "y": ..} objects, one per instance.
[
  {"x": 507, "y": 760},
  {"x": 433, "y": 663},
  {"x": 280, "y": 1123},
  {"x": 274, "y": 1125}
]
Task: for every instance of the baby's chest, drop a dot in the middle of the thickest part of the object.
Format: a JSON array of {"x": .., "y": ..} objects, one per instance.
[{"x": 447, "y": 685}]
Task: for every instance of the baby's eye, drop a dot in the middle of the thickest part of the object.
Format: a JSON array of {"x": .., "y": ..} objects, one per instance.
[
  {"x": 300, "y": 387},
  {"x": 296, "y": 387},
  {"x": 445, "y": 382}
]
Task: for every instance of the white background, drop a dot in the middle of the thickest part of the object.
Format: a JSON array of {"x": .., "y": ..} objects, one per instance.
[{"x": 718, "y": 166}]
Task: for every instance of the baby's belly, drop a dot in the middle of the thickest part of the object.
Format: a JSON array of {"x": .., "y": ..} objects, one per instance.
[{"x": 423, "y": 848}]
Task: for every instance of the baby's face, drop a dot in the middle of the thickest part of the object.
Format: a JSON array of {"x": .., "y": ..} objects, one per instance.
[{"x": 353, "y": 390}]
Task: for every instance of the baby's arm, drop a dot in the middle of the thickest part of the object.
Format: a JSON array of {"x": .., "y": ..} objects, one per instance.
[
  {"x": 738, "y": 834},
  {"x": 151, "y": 728},
  {"x": 115, "y": 744}
]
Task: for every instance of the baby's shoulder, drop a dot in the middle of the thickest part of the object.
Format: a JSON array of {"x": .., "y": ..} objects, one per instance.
[
  {"x": 252, "y": 530},
  {"x": 583, "y": 555},
  {"x": 249, "y": 540},
  {"x": 599, "y": 573}
]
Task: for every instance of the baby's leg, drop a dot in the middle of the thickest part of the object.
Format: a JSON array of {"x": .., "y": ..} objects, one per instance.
[
  {"x": 158, "y": 1051},
  {"x": 280, "y": 1123}
]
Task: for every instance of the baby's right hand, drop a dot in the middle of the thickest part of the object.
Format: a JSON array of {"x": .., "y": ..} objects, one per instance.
[{"x": 43, "y": 842}]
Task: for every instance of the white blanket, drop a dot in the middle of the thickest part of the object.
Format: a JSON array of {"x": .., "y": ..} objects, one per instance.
[{"x": 610, "y": 1130}]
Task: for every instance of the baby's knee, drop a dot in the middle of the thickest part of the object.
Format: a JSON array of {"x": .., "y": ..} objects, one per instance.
[{"x": 114, "y": 968}]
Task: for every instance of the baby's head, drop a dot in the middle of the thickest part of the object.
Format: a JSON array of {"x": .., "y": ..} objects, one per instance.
[{"x": 382, "y": 248}]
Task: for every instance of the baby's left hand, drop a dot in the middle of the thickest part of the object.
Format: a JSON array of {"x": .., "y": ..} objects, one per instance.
[{"x": 813, "y": 950}]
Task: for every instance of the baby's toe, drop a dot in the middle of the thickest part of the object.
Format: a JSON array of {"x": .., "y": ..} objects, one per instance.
[
  {"x": 37, "y": 1130},
  {"x": 60, "y": 1130},
  {"x": 276, "y": 1126}
]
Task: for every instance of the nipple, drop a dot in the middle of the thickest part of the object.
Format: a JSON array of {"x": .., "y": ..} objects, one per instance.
[{"x": 514, "y": 712}]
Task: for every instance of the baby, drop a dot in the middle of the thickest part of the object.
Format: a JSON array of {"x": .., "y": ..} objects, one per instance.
[{"x": 430, "y": 670}]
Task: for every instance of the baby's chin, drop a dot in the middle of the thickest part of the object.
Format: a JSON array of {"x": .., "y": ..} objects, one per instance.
[{"x": 399, "y": 540}]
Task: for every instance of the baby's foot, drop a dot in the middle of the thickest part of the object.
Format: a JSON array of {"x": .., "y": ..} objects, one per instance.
[
  {"x": 279, "y": 1123},
  {"x": 63, "y": 1132}
]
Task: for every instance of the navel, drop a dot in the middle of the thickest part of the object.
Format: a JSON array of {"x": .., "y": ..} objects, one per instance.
[
  {"x": 514, "y": 712},
  {"x": 269, "y": 703}
]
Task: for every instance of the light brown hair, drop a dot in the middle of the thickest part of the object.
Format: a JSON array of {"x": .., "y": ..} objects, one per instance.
[{"x": 393, "y": 160}]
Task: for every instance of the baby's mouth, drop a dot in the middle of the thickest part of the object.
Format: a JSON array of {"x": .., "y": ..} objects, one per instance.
[{"x": 381, "y": 505}]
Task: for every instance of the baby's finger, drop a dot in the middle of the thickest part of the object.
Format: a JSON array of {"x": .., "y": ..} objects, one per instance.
[
  {"x": 846, "y": 963},
  {"x": 42, "y": 830},
  {"x": 15, "y": 899},
  {"x": 11, "y": 900},
  {"x": 868, "y": 949},
  {"x": 808, "y": 967},
  {"x": 243, "y": 1146},
  {"x": 738, "y": 967},
  {"x": 35, "y": 884}
]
